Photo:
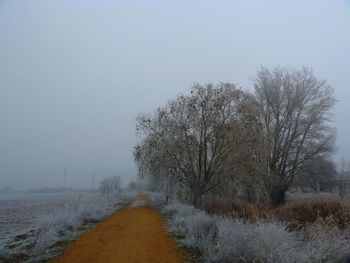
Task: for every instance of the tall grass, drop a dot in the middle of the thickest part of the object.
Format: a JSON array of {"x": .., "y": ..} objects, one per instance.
[
  {"x": 326, "y": 210},
  {"x": 297, "y": 213}
]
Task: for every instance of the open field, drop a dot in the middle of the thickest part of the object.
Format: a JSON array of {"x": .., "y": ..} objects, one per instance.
[
  {"x": 19, "y": 212},
  {"x": 37, "y": 226}
]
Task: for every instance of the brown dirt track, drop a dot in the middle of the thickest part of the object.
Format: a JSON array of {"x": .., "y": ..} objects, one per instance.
[{"x": 130, "y": 235}]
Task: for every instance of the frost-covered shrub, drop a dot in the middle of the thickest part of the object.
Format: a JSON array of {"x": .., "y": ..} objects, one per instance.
[
  {"x": 61, "y": 224},
  {"x": 138, "y": 203},
  {"x": 157, "y": 200},
  {"x": 271, "y": 242},
  {"x": 232, "y": 242},
  {"x": 178, "y": 209},
  {"x": 44, "y": 237},
  {"x": 201, "y": 231},
  {"x": 197, "y": 229},
  {"x": 237, "y": 240},
  {"x": 324, "y": 244},
  {"x": 178, "y": 226}
]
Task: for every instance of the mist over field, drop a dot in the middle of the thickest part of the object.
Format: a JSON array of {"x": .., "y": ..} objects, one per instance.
[
  {"x": 174, "y": 131},
  {"x": 74, "y": 75}
]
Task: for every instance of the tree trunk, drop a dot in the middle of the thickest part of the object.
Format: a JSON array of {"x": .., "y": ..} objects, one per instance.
[
  {"x": 278, "y": 196},
  {"x": 196, "y": 198}
]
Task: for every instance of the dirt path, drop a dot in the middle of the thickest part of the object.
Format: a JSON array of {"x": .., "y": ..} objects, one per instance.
[{"x": 130, "y": 235}]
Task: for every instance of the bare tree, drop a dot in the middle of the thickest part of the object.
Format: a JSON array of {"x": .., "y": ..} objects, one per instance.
[
  {"x": 192, "y": 140},
  {"x": 319, "y": 174},
  {"x": 295, "y": 110},
  {"x": 110, "y": 185}
]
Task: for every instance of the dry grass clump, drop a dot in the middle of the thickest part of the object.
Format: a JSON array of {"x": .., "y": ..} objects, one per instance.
[
  {"x": 238, "y": 209},
  {"x": 297, "y": 213},
  {"x": 219, "y": 239},
  {"x": 325, "y": 210}
]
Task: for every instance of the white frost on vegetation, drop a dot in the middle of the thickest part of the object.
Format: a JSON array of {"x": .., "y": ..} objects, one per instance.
[
  {"x": 233, "y": 240},
  {"x": 66, "y": 224},
  {"x": 138, "y": 203}
]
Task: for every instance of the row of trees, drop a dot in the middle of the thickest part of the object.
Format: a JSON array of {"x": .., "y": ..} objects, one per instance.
[
  {"x": 221, "y": 140},
  {"x": 110, "y": 185}
]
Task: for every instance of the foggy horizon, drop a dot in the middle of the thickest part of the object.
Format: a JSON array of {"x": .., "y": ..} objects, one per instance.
[{"x": 75, "y": 75}]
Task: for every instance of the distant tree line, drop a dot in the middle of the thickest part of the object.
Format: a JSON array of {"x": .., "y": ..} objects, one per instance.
[
  {"x": 110, "y": 185},
  {"x": 223, "y": 141}
]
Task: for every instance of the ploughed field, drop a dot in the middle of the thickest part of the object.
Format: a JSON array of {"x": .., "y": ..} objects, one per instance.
[{"x": 20, "y": 212}]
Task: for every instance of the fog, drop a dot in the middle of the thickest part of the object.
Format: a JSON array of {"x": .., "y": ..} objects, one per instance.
[{"x": 75, "y": 74}]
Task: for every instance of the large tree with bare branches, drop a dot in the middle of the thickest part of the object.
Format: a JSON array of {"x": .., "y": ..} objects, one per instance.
[
  {"x": 194, "y": 138},
  {"x": 295, "y": 111}
]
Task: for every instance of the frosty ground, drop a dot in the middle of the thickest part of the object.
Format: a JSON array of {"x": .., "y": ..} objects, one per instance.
[{"x": 35, "y": 227}]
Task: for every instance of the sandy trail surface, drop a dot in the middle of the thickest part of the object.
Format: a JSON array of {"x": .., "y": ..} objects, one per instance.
[{"x": 132, "y": 234}]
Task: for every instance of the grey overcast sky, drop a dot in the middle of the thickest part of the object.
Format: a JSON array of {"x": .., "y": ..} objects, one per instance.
[{"x": 75, "y": 74}]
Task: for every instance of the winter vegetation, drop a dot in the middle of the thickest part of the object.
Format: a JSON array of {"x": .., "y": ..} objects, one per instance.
[
  {"x": 224, "y": 239},
  {"x": 52, "y": 232},
  {"x": 221, "y": 140},
  {"x": 227, "y": 165}
]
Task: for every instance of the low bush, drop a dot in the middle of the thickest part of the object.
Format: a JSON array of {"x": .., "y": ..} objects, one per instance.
[
  {"x": 201, "y": 231},
  {"x": 238, "y": 241}
]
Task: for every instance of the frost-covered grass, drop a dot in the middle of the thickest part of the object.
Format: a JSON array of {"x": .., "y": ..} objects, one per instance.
[
  {"x": 138, "y": 203},
  {"x": 220, "y": 239},
  {"x": 62, "y": 225}
]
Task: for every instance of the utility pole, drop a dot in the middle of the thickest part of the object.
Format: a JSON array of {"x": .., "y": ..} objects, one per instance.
[
  {"x": 93, "y": 180},
  {"x": 64, "y": 177}
]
